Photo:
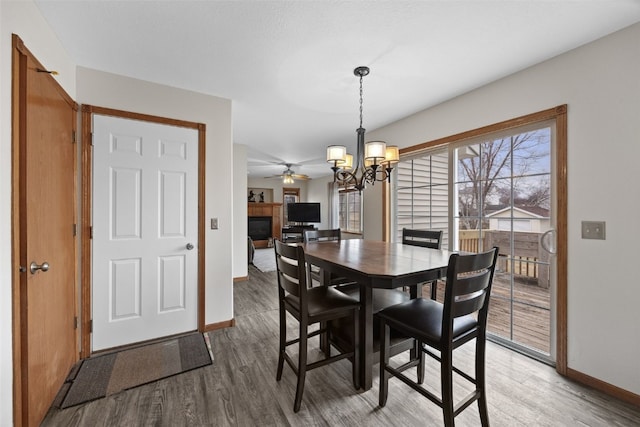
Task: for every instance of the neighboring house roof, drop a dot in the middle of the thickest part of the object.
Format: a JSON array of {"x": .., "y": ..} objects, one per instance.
[{"x": 533, "y": 211}]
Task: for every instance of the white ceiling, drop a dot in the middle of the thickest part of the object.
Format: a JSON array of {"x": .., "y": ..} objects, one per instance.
[{"x": 288, "y": 65}]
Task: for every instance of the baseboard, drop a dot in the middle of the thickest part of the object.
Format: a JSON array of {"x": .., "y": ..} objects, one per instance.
[
  {"x": 604, "y": 387},
  {"x": 240, "y": 279},
  {"x": 220, "y": 325}
]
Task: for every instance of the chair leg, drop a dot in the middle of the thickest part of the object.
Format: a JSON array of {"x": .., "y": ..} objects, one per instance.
[
  {"x": 282, "y": 345},
  {"x": 356, "y": 349},
  {"x": 324, "y": 340},
  {"x": 446, "y": 373},
  {"x": 416, "y": 352},
  {"x": 302, "y": 365},
  {"x": 434, "y": 289},
  {"x": 420, "y": 368},
  {"x": 384, "y": 361},
  {"x": 480, "y": 381}
]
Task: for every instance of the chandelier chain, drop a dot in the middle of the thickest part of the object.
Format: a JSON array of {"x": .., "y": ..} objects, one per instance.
[{"x": 360, "y": 100}]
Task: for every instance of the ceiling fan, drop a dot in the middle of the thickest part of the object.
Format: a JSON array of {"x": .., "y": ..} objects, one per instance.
[{"x": 289, "y": 176}]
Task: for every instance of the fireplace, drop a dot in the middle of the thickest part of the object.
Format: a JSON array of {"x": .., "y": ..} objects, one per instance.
[
  {"x": 260, "y": 227},
  {"x": 264, "y": 222}
]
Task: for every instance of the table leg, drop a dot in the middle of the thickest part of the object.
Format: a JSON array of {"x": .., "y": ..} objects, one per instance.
[
  {"x": 366, "y": 336},
  {"x": 324, "y": 337}
]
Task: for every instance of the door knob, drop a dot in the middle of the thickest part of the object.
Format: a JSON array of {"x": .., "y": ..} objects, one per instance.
[
  {"x": 547, "y": 241},
  {"x": 35, "y": 267},
  {"x": 189, "y": 246}
]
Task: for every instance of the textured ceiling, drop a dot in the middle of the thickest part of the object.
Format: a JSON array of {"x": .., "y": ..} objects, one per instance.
[{"x": 288, "y": 65}]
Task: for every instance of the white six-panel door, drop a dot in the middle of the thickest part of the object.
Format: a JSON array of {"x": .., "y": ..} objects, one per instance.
[{"x": 145, "y": 231}]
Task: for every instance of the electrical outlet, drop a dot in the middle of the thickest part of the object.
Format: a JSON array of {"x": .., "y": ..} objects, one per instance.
[
  {"x": 593, "y": 230},
  {"x": 214, "y": 223}
]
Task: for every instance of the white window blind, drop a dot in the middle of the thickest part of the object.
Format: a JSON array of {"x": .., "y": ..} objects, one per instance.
[{"x": 422, "y": 196}]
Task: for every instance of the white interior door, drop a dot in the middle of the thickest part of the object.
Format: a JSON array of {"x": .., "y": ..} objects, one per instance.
[{"x": 145, "y": 214}]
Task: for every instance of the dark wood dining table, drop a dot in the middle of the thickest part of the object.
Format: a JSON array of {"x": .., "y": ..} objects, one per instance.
[{"x": 376, "y": 264}]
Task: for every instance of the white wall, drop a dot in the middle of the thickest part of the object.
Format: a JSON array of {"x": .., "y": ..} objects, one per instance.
[
  {"x": 317, "y": 191},
  {"x": 372, "y": 207},
  {"x": 600, "y": 84},
  {"x": 23, "y": 19},
  {"x": 239, "y": 240},
  {"x": 112, "y": 91}
]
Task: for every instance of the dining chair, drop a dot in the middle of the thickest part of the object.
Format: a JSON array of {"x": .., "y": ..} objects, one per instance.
[
  {"x": 427, "y": 239},
  {"x": 444, "y": 327},
  {"x": 325, "y": 235},
  {"x": 322, "y": 235},
  {"x": 309, "y": 306}
]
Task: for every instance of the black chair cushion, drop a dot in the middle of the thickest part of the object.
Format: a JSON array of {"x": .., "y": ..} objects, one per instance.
[
  {"x": 422, "y": 319},
  {"x": 324, "y": 300}
]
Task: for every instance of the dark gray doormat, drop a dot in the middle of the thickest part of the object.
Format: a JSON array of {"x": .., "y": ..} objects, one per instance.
[{"x": 107, "y": 374}]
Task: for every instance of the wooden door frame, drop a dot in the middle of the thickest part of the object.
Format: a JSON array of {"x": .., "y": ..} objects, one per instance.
[
  {"x": 19, "y": 101},
  {"x": 285, "y": 191},
  {"x": 86, "y": 226}
]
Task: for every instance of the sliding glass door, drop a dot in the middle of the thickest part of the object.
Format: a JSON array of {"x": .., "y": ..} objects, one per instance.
[{"x": 495, "y": 190}]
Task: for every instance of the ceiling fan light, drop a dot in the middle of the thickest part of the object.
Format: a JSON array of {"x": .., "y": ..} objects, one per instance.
[{"x": 288, "y": 179}]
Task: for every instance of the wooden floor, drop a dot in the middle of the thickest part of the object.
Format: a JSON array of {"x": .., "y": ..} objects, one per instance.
[
  {"x": 239, "y": 388},
  {"x": 521, "y": 314}
]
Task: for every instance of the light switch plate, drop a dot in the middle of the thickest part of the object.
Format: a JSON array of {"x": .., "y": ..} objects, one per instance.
[
  {"x": 593, "y": 230},
  {"x": 214, "y": 223}
]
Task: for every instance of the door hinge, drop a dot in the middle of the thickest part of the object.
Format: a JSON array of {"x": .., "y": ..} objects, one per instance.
[
  {"x": 91, "y": 138},
  {"x": 91, "y": 232},
  {"x": 75, "y": 322},
  {"x": 73, "y": 137},
  {"x": 75, "y": 230},
  {"x": 90, "y": 325}
]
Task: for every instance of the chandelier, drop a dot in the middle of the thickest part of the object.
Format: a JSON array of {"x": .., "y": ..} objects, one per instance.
[{"x": 374, "y": 159}]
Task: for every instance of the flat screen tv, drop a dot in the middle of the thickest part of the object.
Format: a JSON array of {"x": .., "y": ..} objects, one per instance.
[{"x": 303, "y": 212}]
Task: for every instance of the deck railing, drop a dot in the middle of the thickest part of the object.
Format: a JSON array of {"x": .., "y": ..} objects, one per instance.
[{"x": 528, "y": 258}]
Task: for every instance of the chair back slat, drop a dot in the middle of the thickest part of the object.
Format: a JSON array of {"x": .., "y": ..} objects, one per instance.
[
  {"x": 322, "y": 235},
  {"x": 469, "y": 279},
  {"x": 472, "y": 282},
  {"x": 425, "y": 238},
  {"x": 475, "y": 262},
  {"x": 471, "y": 305},
  {"x": 288, "y": 277},
  {"x": 291, "y": 269}
]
